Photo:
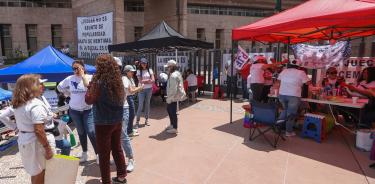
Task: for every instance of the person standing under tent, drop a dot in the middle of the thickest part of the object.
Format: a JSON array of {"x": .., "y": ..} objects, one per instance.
[
  {"x": 256, "y": 77},
  {"x": 245, "y": 71},
  {"x": 146, "y": 78},
  {"x": 79, "y": 111},
  {"x": 231, "y": 79},
  {"x": 31, "y": 114},
  {"x": 291, "y": 82},
  {"x": 175, "y": 93},
  {"x": 106, "y": 93}
]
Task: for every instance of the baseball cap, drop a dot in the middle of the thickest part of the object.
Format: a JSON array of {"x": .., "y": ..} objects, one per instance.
[
  {"x": 260, "y": 57},
  {"x": 171, "y": 63},
  {"x": 129, "y": 68},
  {"x": 144, "y": 60},
  {"x": 118, "y": 61}
]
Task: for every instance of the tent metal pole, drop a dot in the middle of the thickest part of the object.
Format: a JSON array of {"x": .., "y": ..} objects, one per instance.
[
  {"x": 231, "y": 81},
  {"x": 278, "y": 54},
  {"x": 178, "y": 102},
  {"x": 288, "y": 46}
]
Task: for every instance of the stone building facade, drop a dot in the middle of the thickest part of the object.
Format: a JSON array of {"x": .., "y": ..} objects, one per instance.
[{"x": 27, "y": 26}]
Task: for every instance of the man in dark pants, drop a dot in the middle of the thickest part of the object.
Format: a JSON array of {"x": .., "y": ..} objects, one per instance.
[
  {"x": 175, "y": 93},
  {"x": 231, "y": 77}
]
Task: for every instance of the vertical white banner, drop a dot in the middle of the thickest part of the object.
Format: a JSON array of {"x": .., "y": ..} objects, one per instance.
[{"x": 94, "y": 34}]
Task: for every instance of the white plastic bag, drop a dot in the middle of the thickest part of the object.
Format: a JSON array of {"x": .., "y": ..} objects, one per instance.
[{"x": 61, "y": 169}]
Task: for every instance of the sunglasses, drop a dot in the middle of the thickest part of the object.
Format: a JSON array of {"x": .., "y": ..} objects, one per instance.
[{"x": 75, "y": 68}]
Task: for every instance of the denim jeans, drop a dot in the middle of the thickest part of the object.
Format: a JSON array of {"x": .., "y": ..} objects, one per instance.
[
  {"x": 125, "y": 140},
  {"x": 85, "y": 127},
  {"x": 172, "y": 112},
  {"x": 130, "y": 100},
  {"x": 108, "y": 138},
  {"x": 64, "y": 145},
  {"x": 245, "y": 94},
  {"x": 144, "y": 97},
  {"x": 290, "y": 110}
]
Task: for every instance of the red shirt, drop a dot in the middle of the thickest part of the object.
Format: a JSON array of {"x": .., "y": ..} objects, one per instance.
[{"x": 245, "y": 71}]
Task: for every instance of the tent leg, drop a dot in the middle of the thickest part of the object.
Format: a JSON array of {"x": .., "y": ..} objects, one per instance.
[
  {"x": 288, "y": 47},
  {"x": 234, "y": 43}
]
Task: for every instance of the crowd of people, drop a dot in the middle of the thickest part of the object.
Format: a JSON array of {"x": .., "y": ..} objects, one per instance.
[
  {"x": 102, "y": 108},
  {"x": 289, "y": 82}
]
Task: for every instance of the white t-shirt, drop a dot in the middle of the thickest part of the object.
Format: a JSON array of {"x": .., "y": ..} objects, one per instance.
[
  {"x": 127, "y": 84},
  {"x": 292, "y": 81},
  {"x": 192, "y": 80},
  {"x": 74, "y": 85},
  {"x": 145, "y": 76},
  {"x": 33, "y": 112},
  {"x": 256, "y": 74}
]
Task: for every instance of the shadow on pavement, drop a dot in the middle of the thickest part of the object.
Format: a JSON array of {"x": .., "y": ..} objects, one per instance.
[
  {"x": 162, "y": 136},
  {"x": 337, "y": 150}
]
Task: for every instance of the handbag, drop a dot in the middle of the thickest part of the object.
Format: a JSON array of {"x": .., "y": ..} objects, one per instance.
[{"x": 92, "y": 94}]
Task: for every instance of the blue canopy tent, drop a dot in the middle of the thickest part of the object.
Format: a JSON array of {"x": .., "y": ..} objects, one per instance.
[
  {"x": 5, "y": 94},
  {"x": 48, "y": 62}
]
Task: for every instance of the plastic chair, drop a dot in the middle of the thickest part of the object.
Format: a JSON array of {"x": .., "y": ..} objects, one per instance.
[{"x": 265, "y": 114}]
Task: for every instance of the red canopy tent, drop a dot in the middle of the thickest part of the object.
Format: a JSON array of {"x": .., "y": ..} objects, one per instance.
[{"x": 313, "y": 20}]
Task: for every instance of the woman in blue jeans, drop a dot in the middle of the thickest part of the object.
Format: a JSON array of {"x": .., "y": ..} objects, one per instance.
[
  {"x": 292, "y": 80},
  {"x": 79, "y": 111},
  {"x": 146, "y": 78}
]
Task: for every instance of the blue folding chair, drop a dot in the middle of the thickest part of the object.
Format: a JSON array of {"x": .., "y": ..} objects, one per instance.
[{"x": 265, "y": 114}]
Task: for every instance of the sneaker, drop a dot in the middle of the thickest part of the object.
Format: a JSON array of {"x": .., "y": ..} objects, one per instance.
[
  {"x": 136, "y": 126},
  {"x": 172, "y": 131},
  {"x": 131, "y": 165},
  {"x": 116, "y": 180},
  {"x": 134, "y": 133},
  {"x": 97, "y": 159},
  {"x": 290, "y": 134},
  {"x": 245, "y": 100},
  {"x": 83, "y": 157},
  {"x": 146, "y": 123},
  {"x": 169, "y": 127}
]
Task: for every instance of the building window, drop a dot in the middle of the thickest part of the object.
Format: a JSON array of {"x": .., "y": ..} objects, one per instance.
[
  {"x": 138, "y": 32},
  {"x": 219, "y": 38},
  {"x": 201, "y": 35},
  {"x": 134, "y": 6},
  {"x": 6, "y": 40},
  {"x": 37, "y": 3},
  {"x": 231, "y": 11},
  {"x": 56, "y": 32},
  {"x": 31, "y": 38}
]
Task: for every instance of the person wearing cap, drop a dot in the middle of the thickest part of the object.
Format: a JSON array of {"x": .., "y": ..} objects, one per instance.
[
  {"x": 256, "y": 78},
  {"x": 146, "y": 78},
  {"x": 175, "y": 93},
  {"x": 291, "y": 82},
  {"x": 80, "y": 112},
  {"x": 129, "y": 112}
]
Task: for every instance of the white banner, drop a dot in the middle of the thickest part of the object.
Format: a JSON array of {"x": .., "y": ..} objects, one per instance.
[
  {"x": 182, "y": 62},
  {"x": 314, "y": 57},
  {"x": 351, "y": 68},
  {"x": 51, "y": 97},
  {"x": 94, "y": 33},
  {"x": 241, "y": 59}
]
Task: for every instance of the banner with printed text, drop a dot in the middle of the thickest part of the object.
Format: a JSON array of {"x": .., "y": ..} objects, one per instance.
[
  {"x": 351, "y": 68},
  {"x": 94, "y": 34},
  {"x": 241, "y": 58},
  {"x": 315, "y": 57},
  {"x": 182, "y": 63}
]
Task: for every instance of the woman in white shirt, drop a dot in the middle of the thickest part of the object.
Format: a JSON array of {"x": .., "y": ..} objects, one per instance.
[
  {"x": 292, "y": 80},
  {"x": 79, "y": 111},
  {"x": 31, "y": 114},
  {"x": 146, "y": 78}
]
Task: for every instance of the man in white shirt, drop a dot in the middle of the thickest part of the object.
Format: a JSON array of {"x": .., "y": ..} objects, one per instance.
[
  {"x": 291, "y": 82},
  {"x": 192, "y": 84}
]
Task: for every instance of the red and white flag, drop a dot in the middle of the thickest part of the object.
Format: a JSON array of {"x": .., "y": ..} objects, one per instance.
[{"x": 241, "y": 59}]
